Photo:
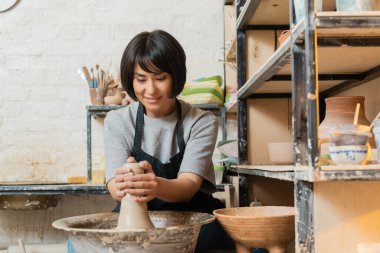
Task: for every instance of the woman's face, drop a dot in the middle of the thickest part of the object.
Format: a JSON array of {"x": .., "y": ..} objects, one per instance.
[{"x": 153, "y": 90}]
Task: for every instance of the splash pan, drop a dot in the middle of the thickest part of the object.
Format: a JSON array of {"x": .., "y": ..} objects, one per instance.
[{"x": 173, "y": 232}]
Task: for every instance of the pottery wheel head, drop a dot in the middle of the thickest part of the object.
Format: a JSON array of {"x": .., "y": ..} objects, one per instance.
[{"x": 135, "y": 168}]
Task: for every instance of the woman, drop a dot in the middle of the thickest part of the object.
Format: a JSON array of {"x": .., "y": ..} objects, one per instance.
[{"x": 171, "y": 140}]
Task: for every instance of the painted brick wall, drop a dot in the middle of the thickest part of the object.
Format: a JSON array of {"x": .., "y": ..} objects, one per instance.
[{"x": 43, "y": 99}]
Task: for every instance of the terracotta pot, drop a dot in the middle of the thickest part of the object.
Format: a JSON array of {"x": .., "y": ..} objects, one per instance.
[
  {"x": 341, "y": 111},
  {"x": 269, "y": 227}
]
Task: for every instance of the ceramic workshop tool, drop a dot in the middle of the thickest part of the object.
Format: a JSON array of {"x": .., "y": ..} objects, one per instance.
[
  {"x": 87, "y": 75},
  {"x": 356, "y": 116}
]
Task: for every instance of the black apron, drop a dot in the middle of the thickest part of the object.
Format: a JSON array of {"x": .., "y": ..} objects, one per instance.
[{"x": 201, "y": 202}]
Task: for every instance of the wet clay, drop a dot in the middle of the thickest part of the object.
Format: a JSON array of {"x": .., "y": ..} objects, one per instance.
[
  {"x": 174, "y": 232},
  {"x": 133, "y": 215}
]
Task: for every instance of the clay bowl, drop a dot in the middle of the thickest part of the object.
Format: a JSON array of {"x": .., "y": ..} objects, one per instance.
[
  {"x": 173, "y": 232},
  {"x": 269, "y": 227}
]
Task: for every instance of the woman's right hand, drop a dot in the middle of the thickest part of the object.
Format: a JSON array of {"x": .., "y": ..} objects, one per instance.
[{"x": 117, "y": 185}]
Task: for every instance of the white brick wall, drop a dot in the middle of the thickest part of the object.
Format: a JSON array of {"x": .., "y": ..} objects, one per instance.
[
  {"x": 43, "y": 99},
  {"x": 43, "y": 42}
]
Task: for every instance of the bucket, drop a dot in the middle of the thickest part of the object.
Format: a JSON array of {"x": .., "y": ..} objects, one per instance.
[
  {"x": 299, "y": 6},
  {"x": 356, "y": 5}
]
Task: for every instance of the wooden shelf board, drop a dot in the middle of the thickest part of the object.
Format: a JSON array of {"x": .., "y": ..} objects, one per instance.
[
  {"x": 280, "y": 172},
  {"x": 351, "y": 167},
  {"x": 349, "y": 32},
  {"x": 339, "y": 173},
  {"x": 348, "y": 24},
  {"x": 255, "y": 13},
  {"x": 286, "y": 86},
  {"x": 347, "y": 60},
  {"x": 348, "y": 14}
]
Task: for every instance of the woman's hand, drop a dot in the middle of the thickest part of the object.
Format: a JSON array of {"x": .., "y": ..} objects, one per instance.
[
  {"x": 116, "y": 186},
  {"x": 143, "y": 187}
]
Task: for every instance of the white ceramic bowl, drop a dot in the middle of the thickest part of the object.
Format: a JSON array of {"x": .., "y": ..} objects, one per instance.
[
  {"x": 280, "y": 152},
  {"x": 353, "y": 154}
]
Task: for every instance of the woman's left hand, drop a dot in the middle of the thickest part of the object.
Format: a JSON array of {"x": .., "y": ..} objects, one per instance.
[{"x": 143, "y": 187}]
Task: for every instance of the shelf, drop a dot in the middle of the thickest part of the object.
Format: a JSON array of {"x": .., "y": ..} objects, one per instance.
[
  {"x": 339, "y": 62},
  {"x": 102, "y": 110},
  {"x": 280, "y": 172},
  {"x": 272, "y": 66},
  {"x": 66, "y": 189},
  {"x": 302, "y": 173},
  {"x": 348, "y": 24},
  {"x": 339, "y": 173},
  {"x": 255, "y": 12}
]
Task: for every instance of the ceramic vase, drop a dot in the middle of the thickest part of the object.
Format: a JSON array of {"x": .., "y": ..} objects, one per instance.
[{"x": 340, "y": 111}]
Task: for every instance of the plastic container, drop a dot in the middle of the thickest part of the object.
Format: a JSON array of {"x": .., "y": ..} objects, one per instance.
[
  {"x": 344, "y": 135},
  {"x": 356, "y": 5}
]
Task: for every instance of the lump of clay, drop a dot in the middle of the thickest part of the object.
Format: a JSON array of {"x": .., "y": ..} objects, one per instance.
[{"x": 133, "y": 215}]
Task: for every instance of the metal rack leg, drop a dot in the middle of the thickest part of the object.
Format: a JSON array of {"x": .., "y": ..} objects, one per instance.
[{"x": 89, "y": 149}]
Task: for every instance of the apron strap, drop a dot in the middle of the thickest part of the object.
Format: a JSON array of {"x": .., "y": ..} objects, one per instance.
[
  {"x": 140, "y": 122},
  {"x": 179, "y": 129}
]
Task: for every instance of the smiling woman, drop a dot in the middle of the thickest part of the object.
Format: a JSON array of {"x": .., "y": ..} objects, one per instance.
[{"x": 172, "y": 140}]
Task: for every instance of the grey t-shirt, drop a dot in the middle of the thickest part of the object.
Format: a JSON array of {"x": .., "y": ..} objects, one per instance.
[{"x": 159, "y": 140}]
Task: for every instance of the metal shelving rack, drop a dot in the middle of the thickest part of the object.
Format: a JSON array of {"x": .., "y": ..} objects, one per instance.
[{"x": 350, "y": 33}]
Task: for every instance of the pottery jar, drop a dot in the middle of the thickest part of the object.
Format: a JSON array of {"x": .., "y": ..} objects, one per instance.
[{"x": 340, "y": 111}]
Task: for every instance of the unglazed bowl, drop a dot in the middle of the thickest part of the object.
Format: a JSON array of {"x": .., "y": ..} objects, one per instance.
[{"x": 269, "y": 227}]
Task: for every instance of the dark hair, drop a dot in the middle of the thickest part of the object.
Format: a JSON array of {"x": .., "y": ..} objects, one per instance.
[{"x": 155, "y": 52}]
